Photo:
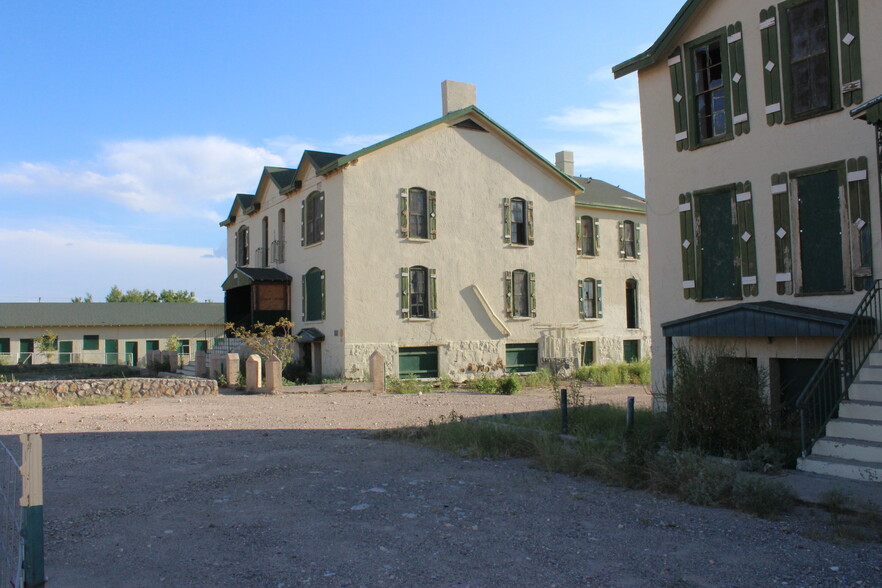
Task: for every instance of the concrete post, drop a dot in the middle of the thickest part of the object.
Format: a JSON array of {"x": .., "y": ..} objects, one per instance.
[
  {"x": 273, "y": 383},
  {"x": 154, "y": 359},
  {"x": 201, "y": 370},
  {"x": 172, "y": 358},
  {"x": 378, "y": 372},
  {"x": 215, "y": 367},
  {"x": 232, "y": 369},
  {"x": 252, "y": 373}
]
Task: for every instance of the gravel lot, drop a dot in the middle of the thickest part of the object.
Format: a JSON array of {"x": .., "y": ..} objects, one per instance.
[{"x": 278, "y": 491}]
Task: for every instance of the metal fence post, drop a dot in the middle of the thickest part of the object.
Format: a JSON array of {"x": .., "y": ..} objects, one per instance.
[
  {"x": 564, "y": 425},
  {"x": 32, "y": 509}
]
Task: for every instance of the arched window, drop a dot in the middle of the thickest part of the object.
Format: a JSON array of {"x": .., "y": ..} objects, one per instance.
[
  {"x": 242, "y": 246},
  {"x": 279, "y": 243},
  {"x": 419, "y": 292},
  {"x": 314, "y": 295},
  {"x": 589, "y": 298},
  {"x": 586, "y": 234},
  {"x": 418, "y": 213},
  {"x": 629, "y": 248},
  {"x": 313, "y": 222},
  {"x": 631, "y": 303},
  {"x": 520, "y": 291},
  {"x": 518, "y": 221}
]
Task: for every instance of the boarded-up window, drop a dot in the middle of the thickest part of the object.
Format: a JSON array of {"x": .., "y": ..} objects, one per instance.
[
  {"x": 820, "y": 232},
  {"x": 271, "y": 297},
  {"x": 718, "y": 253},
  {"x": 520, "y": 294}
]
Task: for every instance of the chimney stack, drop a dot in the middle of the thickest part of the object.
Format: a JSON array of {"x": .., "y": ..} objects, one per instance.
[
  {"x": 563, "y": 160},
  {"x": 457, "y": 95}
]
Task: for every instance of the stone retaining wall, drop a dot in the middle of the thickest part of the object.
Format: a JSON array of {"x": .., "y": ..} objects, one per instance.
[{"x": 122, "y": 387}]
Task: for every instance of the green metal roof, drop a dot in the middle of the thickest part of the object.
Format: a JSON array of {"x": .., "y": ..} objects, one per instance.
[
  {"x": 335, "y": 161},
  {"x": 759, "y": 319},
  {"x": 869, "y": 111},
  {"x": 281, "y": 176},
  {"x": 599, "y": 194},
  {"x": 109, "y": 314},
  {"x": 245, "y": 202},
  {"x": 662, "y": 44},
  {"x": 245, "y": 276}
]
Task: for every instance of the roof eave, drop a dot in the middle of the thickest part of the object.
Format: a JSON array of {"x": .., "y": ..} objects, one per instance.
[{"x": 658, "y": 48}]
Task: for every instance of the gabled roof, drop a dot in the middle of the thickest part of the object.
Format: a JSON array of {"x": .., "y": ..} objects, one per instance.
[
  {"x": 246, "y": 203},
  {"x": 281, "y": 176},
  {"x": 334, "y": 161},
  {"x": 599, "y": 194},
  {"x": 661, "y": 46},
  {"x": 310, "y": 159},
  {"x": 759, "y": 319},
  {"x": 250, "y": 203},
  {"x": 109, "y": 314}
]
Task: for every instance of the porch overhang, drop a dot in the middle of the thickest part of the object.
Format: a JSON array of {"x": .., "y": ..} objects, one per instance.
[
  {"x": 310, "y": 335},
  {"x": 870, "y": 112},
  {"x": 759, "y": 319},
  {"x": 246, "y": 276}
]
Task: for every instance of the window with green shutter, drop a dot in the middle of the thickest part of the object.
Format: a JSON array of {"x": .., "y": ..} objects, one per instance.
[
  {"x": 586, "y": 353},
  {"x": 418, "y": 292},
  {"x": 314, "y": 295},
  {"x": 687, "y": 246},
  {"x": 629, "y": 240},
  {"x": 152, "y": 345},
  {"x": 417, "y": 210},
  {"x": 518, "y": 221},
  {"x": 860, "y": 226},
  {"x": 709, "y": 89},
  {"x": 520, "y": 294},
  {"x": 678, "y": 90},
  {"x": 90, "y": 342},
  {"x": 781, "y": 223},
  {"x": 586, "y": 236},
  {"x": 771, "y": 65},
  {"x": 589, "y": 299},
  {"x": 312, "y": 219},
  {"x": 418, "y": 362},
  {"x": 631, "y": 350}
]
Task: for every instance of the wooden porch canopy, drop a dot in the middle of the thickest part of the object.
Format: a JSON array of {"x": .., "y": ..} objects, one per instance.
[{"x": 256, "y": 295}]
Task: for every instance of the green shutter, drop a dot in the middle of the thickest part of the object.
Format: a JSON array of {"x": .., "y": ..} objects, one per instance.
[
  {"x": 746, "y": 238},
  {"x": 781, "y": 220},
  {"x": 530, "y": 240},
  {"x": 532, "y": 294},
  {"x": 303, "y": 298},
  {"x": 506, "y": 220},
  {"x": 859, "y": 217},
  {"x": 433, "y": 293},
  {"x": 581, "y": 298},
  {"x": 771, "y": 66},
  {"x": 598, "y": 297},
  {"x": 737, "y": 73},
  {"x": 687, "y": 245},
  {"x": 678, "y": 94},
  {"x": 850, "y": 49},
  {"x": 578, "y": 236},
  {"x": 320, "y": 218},
  {"x": 509, "y": 297},
  {"x": 637, "y": 240},
  {"x": 622, "y": 239},
  {"x": 404, "y": 292},
  {"x": 433, "y": 231},
  {"x": 596, "y": 236},
  {"x": 303, "y": 223},
  {"x": 402, "y": 212},
  {"x": 324, "y": 290}
]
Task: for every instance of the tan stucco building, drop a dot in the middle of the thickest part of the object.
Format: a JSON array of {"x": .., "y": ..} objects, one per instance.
[
  {"x": 762, "y": 178},
  {"x": 449, "y": 248},
  {"x": 106, "y": 332}
]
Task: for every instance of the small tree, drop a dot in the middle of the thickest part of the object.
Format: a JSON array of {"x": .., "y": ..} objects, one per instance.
[
  {"x": 172, "y": 343},
  {"x": 268, "y": 340},
  {"x": 47, "y": 343}
]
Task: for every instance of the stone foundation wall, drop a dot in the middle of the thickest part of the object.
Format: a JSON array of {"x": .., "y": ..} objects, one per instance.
[{"x": 131, "y": 387}]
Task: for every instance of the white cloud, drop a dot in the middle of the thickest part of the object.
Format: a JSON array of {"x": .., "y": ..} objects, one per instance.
[
  {"x": 189, "y": 175},
  {"x": 67, "y": 262}
]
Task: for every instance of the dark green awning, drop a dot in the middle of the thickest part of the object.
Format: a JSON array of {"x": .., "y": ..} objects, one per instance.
[
  {"x": 759, "y": 319},
  {"x": 869, "y": 111},
  {"x": 245, "y": 276},
  {"x": 310, "y": 335}
]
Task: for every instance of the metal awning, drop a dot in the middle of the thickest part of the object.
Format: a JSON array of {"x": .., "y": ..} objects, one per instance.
[
  {"x": 869, "y": 111},
  {"x": 759, "y": 319},
  {"x": 310, "y": 335},
  {"x": 246, "y": 276}
]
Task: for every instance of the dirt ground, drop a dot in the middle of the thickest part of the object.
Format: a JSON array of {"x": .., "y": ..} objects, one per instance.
[{"x": 288, "y": 490}]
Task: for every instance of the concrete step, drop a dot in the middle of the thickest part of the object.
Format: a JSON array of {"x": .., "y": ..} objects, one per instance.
[
  {"x": 875, "y": 359},
  {"x": 860, "y": 429},
  {"x": 848, "y": 449},
  {"x": 842, "y": 468},
  {"x": 866, "y": 390},
  {"x": 861, "y": 409},
  {"x": 869, "y": 373}
]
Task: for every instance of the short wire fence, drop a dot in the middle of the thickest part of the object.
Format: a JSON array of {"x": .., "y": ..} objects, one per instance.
[{"x": 11, "y": 543}]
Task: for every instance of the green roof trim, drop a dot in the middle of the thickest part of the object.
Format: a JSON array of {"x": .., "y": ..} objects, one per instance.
[
  {"x": 661, "y": 45},
  {"x": 109, "y": 314},
  {"x": 246, "y": 203},
  {"x": 447, "y": 118}
]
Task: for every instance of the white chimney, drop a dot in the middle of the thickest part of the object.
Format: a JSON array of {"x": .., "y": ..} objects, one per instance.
[
  {"x": 563, "y": 160},
  {"x": 457, "y": 95}
]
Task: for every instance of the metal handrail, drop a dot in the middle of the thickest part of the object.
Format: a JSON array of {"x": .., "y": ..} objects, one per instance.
[{"x": 828, "y": 386}]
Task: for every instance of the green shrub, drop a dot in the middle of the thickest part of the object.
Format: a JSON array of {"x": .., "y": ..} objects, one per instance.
[
  {"x": 539, "y": 379},
  {"x": 761, "y": 496},
  {"x": 445, "y": 384},
  {"x": 484, "y": 384},
  {"x": 717, "y": 403},
  {"x": 407, "y": 386},
  {"x": 613, "y": 374},
  {"x": 508, "y": 385}
]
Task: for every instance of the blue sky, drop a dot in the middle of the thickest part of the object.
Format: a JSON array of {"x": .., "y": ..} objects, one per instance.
[{"x": 127, "y": 127}]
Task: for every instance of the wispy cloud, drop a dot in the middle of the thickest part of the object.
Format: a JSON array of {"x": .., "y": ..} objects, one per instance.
[
  {"x": 66, "y": 255},
  {"x": 190, "y": 175}
]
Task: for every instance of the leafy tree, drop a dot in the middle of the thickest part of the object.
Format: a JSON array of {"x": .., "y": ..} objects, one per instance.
[
  {"x": 177, "y": 296},
  {"x": 264, "y": 341},
  {"x": 86, "y": 298},
  {"x": 172, "y": 343},
  {"x": 147, "y": 295},
  {"x": 47, "y": 342},
  {"x": 115, "y": 295}
]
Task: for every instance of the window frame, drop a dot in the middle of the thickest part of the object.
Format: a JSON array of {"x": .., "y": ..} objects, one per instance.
[
  {"x": 242, "y": 246},
  {"x": 632, "y": 241},
  {"x": 730, "y": 190},
  {"x": 314, "y": 218},
  {"x": 307, "y": 295},
  {"x": 414, "y": 272},
  {"x": 720, "y": 37},
  {"x": 587, "y": 237},
  {"x": 589, "y": 292},
  {"x": 420, "y": 218},
  {"x": 92, "y": 340},
  {"x": 786, "y": 62},
  {"x": 519, "y": 228},
  {"x": 632, "y": 301}
]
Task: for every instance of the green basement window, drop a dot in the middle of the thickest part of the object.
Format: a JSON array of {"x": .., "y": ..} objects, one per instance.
[
  {"x": 808, "y": 45},
  {"x": 418, "y": 362},
  {"x": 631, "y": 350},
  {"x": 587, "y": 352},
  {"x": 521, "y": 357},
  {"x": 90, "y": 342}
]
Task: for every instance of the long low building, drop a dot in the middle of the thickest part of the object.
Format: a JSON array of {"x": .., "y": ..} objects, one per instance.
[{"x": 107, "y": 332}]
